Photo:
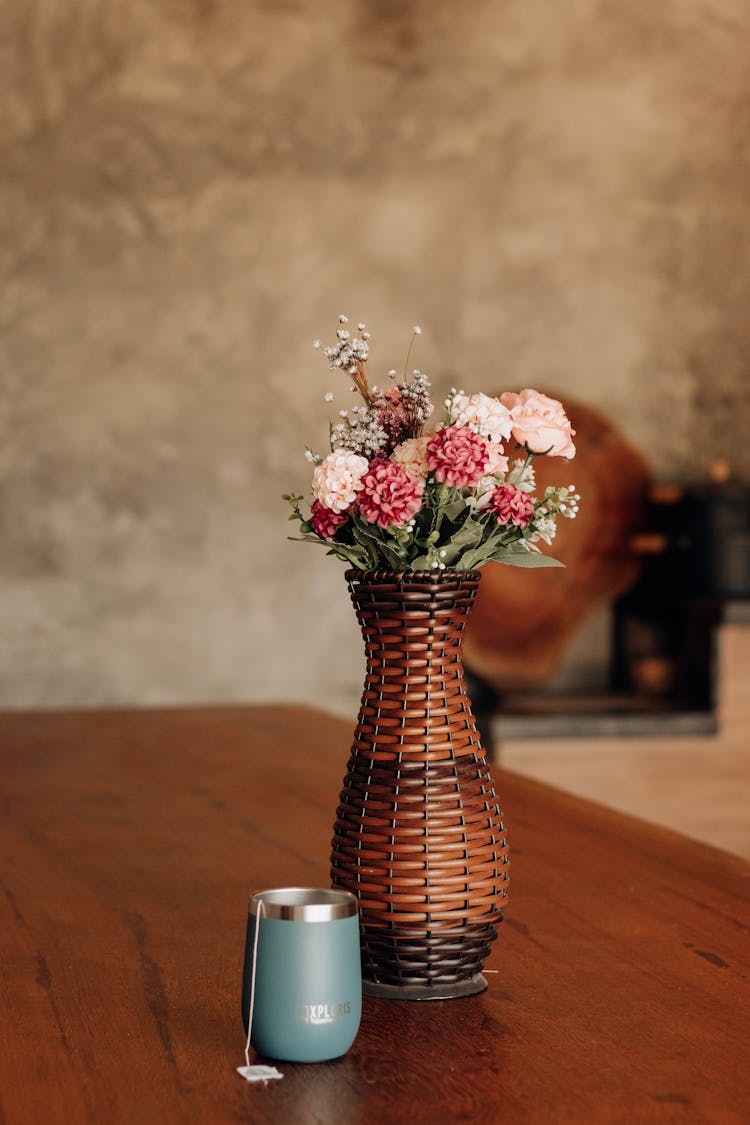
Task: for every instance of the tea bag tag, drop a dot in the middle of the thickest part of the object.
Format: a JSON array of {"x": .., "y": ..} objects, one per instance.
[{"x": 259, "y": 1072}]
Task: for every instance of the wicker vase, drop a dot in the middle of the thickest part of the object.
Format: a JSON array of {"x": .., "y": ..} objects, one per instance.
[{"x": 419, "y": 836}]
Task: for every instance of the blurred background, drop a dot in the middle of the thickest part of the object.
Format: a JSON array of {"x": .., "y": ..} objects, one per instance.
[{"x": 191, "y": 191}]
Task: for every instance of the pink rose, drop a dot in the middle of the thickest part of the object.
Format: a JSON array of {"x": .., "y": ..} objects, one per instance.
[
  {"x": 510, "y": 505},
  {"x": 540, "y": 423},
  {"x": 325, "y": 522},
  {"x": 390, "y": 494},
  {"x": 457, "y": 455}
]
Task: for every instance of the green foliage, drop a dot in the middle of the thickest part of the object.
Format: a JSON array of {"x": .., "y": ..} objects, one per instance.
[{"x": 447, "y": 533}]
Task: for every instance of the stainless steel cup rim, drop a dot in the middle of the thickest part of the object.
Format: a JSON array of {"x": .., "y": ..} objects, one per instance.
[{"x": 304, "y": 904}]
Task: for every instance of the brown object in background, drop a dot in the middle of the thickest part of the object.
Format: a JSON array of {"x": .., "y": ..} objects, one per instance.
[
  {"x": 525, "y": 618},
  {"x": 419, "y": 837}
]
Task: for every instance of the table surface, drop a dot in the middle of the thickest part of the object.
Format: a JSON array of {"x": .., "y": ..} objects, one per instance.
[{"x": 131, "y": 841}]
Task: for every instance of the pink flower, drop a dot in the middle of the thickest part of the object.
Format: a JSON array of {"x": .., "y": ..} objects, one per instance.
[
  {"x": 390, "y": 494},
  {"x": 510, "y": 505},
  {"x": 337, "y": 480},
  {"x": 457, "y": 455},
  {"x": 325, "y": 522},
  {"x": 496, "y": 462},
  {"x": 540, "y": 422}
]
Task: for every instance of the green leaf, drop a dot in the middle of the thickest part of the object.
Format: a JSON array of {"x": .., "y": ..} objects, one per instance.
[
  {"x": 470, "y": 560},
  {"x": 529, "y": 559},
  {"x": 469, "y": 535},
  {"x": 381, "y": 547},
  {"x": 454, "y": 509},
  {"x": 366, "y": 544},
  {"x": 421, "y": 562},
  {"x": 353, "y": 554}
]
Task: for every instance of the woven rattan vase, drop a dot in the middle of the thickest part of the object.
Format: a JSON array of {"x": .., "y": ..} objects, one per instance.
[{"x": 419, "y": 836}]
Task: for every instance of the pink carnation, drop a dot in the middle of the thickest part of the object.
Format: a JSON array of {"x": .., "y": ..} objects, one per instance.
[
  {"x": 511, "y": 505},
  {"x": 337, "y": 479},
  {"x": 325, "y": 522},
  {"x": 390, "y": 494},
  {"x": 457, "y": 455}
]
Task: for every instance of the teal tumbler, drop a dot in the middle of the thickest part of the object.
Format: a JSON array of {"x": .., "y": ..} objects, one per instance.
[{"x": 302, "y": 980}]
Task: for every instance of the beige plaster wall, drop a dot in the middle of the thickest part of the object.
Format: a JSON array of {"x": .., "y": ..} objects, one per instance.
[{"x": 191, "y": 191}]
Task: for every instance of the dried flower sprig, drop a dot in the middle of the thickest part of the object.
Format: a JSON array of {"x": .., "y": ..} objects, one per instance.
[{"x": 386, "y": 418}]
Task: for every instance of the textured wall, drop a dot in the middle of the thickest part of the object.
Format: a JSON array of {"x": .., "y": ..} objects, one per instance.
[{"x": 191, "y": 190}]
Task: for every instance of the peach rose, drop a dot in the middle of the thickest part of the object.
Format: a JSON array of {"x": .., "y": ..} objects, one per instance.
[
  {"x": 540, "y": 423},
  {"x": 412, "y": 454}
]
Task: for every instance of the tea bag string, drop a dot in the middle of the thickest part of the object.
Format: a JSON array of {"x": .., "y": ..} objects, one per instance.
[
  {"x": 259, "y": 1072},
  {"x": 258, "y": 916}
]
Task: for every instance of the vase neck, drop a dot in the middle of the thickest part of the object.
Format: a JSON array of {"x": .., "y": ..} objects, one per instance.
[
  {"x": 415, "y": 696},
  {"x": 414, "y": 616}
]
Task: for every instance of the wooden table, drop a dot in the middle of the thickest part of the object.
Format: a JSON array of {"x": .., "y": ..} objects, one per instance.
[{"x": 131, "y": 841}]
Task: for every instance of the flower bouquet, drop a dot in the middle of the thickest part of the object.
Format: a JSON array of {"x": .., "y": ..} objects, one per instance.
[
  {"x": 419, "y": 836},
  {"x": 389, "y": 495}
]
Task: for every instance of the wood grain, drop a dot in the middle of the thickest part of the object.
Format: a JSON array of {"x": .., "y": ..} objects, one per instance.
[{"x": 131, "y": 841}]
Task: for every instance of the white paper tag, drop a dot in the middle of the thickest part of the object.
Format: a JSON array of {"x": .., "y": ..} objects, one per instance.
[{"x": 259, "y": 1073}]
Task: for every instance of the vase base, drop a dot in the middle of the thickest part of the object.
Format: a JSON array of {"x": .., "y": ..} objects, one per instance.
[{"x": 469, "y": 987}]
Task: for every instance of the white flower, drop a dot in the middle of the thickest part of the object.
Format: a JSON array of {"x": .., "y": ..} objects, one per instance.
[
  {"x": 484, "y": 415},
  {"x": 522, "y": 475},
  {"x": 483, "y": 490},
  {"x": 316, "y": 343},
  {"x": 328, "y": 396},
  {"x": 417, "y": 330},
  {"x": 412, "y": 454},
  {"x": 338, "y": 479},
  {"x": 545, "y": 528}
]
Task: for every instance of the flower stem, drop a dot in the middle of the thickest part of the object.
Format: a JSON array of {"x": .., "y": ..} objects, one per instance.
[{"x": 408, "y": 352}]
